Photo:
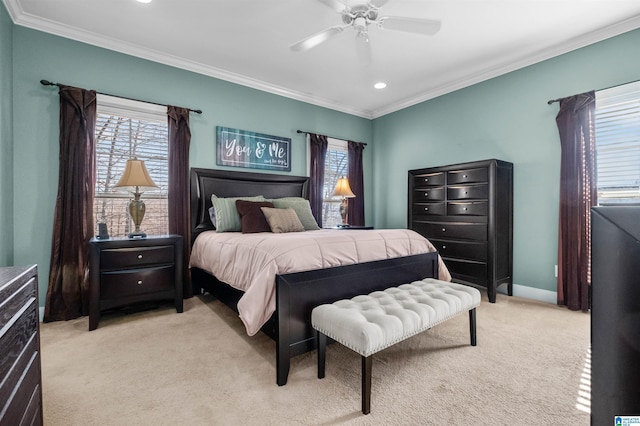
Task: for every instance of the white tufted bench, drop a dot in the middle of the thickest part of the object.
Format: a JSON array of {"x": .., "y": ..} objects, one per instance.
[{"x": 369, "y": 323}]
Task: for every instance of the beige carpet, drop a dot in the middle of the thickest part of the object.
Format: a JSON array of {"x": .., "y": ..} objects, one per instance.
[{"x": 200, "y": 368}]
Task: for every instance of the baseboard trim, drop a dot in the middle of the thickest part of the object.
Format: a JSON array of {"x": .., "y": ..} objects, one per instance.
[{"x": 532, "y": 293}]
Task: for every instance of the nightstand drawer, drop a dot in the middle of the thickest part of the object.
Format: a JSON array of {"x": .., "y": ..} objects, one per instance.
[
  {"x": 133, "y": 257},
  {"x": 122, "y": 284}
]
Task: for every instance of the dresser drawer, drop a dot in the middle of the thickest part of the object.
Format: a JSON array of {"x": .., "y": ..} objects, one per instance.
[
  {"x": 469, "y": 250},
  {"x": 426, "y": 194},
  {"x": 465, "y": 192},
  {"x": 133, "y": 257},
  {"x": 476, "y": 208},
  {"x": 429, "y": 209},
  {"x": 467, "y": 176},
  {"x": 121, "y": 284},
  {"x": 448, "y": 230},
  {"x": 432, "y": 179},
  {"x": 472, "y": 272}
]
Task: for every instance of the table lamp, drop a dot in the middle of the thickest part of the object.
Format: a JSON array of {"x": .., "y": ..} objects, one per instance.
[
  {"x": 136, "y": 176},
  {"x": 343, "y": 190}
]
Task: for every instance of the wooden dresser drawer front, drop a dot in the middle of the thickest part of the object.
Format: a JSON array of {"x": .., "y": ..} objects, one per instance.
[
  {"x": 432, "y": 179},
  {"x": 447, "y": 230},
  {"x": 135, "y": 256},
  {"x": 473, "y": 272},
  {"x": 477, "y": 208},
  {"x": 436, "y": 194},
  {"x": 468, "y": 192},
  {"x": 15, "y": 338},
  {"x": 467, "y": 176},
  {"x": 429, "y": 209},
  {"x": 11, "y": 303},
  {"x": 133, "y": 282},
  {"x": 469, "y": 250}
]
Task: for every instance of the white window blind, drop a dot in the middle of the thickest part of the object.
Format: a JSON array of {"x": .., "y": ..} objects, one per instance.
[
  {"x": 126, "y": 129},
  {"x": 335, "y": 167},
  {"x": 617, "y": 126}
]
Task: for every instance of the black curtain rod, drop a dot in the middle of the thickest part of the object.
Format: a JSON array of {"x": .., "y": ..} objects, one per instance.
[
  {"x": 48, "y": 83},
  {"x": 551, "y": 101},
  {"x": 333, "y": 137}
]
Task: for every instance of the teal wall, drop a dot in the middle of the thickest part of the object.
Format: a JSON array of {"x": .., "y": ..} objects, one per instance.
[
  {"x": 38, "y": 55},
  {"x": 506, "y": 118},
  {"x": 6, "y": 139}
]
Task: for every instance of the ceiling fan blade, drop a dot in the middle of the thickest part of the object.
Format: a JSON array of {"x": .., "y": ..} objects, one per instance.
[
  {"x": 378, "y": 3},
  {"x": 316, "y": 39},
  {"x": 410, "y": 25},
  {"x": 336, "y": 5}
]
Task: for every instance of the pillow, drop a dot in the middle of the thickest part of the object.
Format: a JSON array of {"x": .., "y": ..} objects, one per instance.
[
  {"x": 212, "y": 215},
  {"x": 251, "y": 216},
  {"x": 302, "y": 208},
  {"x": 282, "y": 220},
  {"x": 227, "y": 217}
]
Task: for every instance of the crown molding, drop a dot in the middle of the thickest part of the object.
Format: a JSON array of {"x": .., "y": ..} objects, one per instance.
[
  {"x": 21, "y": 18},
  {"x": 543, "y": 55}
]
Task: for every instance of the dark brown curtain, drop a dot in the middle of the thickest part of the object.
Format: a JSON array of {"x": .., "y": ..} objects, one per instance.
[
  {"x": 355, "y": 212},
  {"x": 179, "y": 219},
  {"x": 68, "y": 290},
  {"x": 577, "y": 195},
  {"x": 318, "y": 152}
]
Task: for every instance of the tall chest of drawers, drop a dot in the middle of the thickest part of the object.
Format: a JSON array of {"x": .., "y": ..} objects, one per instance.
[
  {"x": 20, "y": 370},
  {"x": 466, "y": 211}
]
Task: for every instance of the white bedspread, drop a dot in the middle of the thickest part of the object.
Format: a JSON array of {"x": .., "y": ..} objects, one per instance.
[{"x": 250, "y": 262}]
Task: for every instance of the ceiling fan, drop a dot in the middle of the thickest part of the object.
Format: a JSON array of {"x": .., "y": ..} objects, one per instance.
[{"x": 359, "y": 17}]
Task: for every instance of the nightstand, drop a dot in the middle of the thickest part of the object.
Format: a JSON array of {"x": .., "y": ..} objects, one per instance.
[{"x": 125, "y": 271}]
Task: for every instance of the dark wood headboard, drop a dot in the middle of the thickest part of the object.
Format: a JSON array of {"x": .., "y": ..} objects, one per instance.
[{"x": 225, "y": 183}]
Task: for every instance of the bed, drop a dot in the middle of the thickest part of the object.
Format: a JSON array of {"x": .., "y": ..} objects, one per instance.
[{"x": 296, "y": 292}]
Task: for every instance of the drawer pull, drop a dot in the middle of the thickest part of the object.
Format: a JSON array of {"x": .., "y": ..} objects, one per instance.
[
  {"x": 444, "y": 247},
  {"x": 464, "y": 176},
  {"x": 443, "y": 229},
  {"x": 465, "y": 192},
  {"x": 140, "y": 256},
  {"x": 426, "y": 209},
  {"x": 139, "y": 282},
  {"x": 426, "y": 194},
  {"x": 426, "y": 179},
  {"x": 465, "y": 209}
]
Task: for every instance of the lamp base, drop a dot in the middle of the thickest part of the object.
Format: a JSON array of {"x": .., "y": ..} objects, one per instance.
[{"x": 137, "y": 235}]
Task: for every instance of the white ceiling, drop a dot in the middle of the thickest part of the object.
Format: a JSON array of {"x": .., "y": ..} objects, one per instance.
[{"x": 246, "y": 42}]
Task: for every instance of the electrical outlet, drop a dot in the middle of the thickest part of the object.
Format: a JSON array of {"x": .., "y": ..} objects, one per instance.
[{"x": 556, "y": 271}]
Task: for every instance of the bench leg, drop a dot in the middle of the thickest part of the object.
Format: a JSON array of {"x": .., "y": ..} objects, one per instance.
[
  {"x": 322, "y": 351},
  {"x": 366, "y": 384},
  {"x": 472, "y": 325}
]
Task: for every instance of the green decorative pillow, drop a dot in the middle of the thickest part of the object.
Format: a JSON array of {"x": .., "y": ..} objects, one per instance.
[
  {"x": 227, "y": 216},
  {"x": 302, "y": 208},
  {"x": 282, "y": 220}
]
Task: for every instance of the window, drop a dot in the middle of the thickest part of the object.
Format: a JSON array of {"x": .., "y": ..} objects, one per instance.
[
  {"x": 335, "y": 167},
  {"x": 617, "y": 126},
  {"x": 126, "y": 129}
]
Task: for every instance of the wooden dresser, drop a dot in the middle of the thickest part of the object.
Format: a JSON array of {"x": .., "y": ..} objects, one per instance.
[
  {"x": 20, "y": 371},
  {"x": 466, "y": 211}
]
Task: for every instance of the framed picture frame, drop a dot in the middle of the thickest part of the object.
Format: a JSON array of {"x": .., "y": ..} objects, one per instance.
[{"x": 241, "y": 148}]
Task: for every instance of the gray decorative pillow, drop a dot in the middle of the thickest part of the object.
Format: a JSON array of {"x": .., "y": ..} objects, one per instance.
[
  {"x": 212, "y": 215},
  {"x": 302, "y": 208},
  {"x": 282, "y": 220},
  {"x": 227, "y": 216}
]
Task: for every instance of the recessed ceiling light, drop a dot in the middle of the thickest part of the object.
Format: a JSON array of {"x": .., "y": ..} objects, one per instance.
[
  {"x": 144, "y": 1},
  {"x": 380, "y": 85}
]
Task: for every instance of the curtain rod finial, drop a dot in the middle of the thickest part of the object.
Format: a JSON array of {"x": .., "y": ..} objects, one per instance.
[{"x": 47, "y": 83}]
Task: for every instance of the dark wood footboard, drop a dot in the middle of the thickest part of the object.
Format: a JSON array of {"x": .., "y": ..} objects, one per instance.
[{"x": 298, "y": 293}]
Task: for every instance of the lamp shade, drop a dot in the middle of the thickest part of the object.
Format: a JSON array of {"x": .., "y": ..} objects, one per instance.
[
  {"x": 343, "y": 189},
  {"x": 136, "y": 174}
]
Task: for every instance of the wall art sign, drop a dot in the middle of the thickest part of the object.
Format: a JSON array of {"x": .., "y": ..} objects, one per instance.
[{"x": 240, "y": 148}]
